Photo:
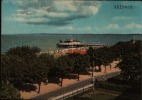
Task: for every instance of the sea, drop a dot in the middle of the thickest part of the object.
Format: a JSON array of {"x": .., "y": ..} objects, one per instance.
[{"x": 48, "y": 41}]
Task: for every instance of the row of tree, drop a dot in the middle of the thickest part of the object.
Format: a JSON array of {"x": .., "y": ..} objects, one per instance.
[
  {"x": 128, "y": 53},
  {"x": 21, "y": 65}
]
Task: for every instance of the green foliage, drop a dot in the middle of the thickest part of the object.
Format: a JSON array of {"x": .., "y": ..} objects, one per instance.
[
  {"x": 8, "y": 91},
  {"x": 63, "y": 66},
  {"x": 80, "y": 62},
  {"x": 63, "y": 63},
  {"x": 90, "y": 52},
  {"x": 23, "y": 65},
  {"x": 131, "y": 67},
  {"x": 130, "y": 55},
  {"x": 47, "y": 59},
  {"x": 12, "y": 69},
  {"x": 100, "y": 56},
  {"x": 23, "y": 51},
  {"x": 5, "y": 69},
  {"x": 122, "y": 49}
]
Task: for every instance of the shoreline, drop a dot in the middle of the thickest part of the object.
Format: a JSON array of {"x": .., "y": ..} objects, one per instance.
[{"x": 63, "y": 51}]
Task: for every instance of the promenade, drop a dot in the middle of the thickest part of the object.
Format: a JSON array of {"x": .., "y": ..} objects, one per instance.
[{"x": 52, "y": 89}]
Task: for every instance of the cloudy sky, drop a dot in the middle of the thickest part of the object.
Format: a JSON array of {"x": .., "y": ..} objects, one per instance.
[{"x": 70, "y": 16}]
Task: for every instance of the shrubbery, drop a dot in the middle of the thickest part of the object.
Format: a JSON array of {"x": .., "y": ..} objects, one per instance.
[{"x": 8, "y": 91}]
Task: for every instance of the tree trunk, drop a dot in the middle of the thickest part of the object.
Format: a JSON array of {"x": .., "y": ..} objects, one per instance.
[
  {"x": 61, "y": 81},
  {"x": 100, "y": 68},
  {"x": 78, "y": 75},
  {"x": 105, "y": 69},
  {"x": 93, "y": 69},
  {"x": 39, "y": 83}
]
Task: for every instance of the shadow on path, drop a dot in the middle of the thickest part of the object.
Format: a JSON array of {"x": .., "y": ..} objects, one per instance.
[
  {"x": 54, "y": 80},
  {"x": 27, "y": 87}
]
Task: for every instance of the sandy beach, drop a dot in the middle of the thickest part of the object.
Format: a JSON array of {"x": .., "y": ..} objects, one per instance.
[{"x": 52, "y": 86}]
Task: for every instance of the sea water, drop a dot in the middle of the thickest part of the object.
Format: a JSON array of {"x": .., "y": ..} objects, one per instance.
[{"x": 48, "y": 41}]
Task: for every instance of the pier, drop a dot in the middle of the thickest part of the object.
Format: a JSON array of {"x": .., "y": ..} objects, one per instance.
[{"x": 68, "y": 45}]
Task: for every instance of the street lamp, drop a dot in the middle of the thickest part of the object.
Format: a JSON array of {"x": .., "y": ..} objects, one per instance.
[{"x": 93, "y": 79}]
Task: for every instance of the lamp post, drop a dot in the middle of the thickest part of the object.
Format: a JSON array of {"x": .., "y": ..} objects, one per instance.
[
  {"x": 105, "y": 71},
  {"x": 106, "y": 74},
  {"x": 93, "y": 79}
]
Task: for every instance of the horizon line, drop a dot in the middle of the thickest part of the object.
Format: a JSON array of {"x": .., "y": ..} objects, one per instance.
[{"x": 75, "y": 33}]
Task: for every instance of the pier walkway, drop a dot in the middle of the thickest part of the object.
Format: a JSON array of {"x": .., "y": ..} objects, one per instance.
[{"x": 66, "y": 45}]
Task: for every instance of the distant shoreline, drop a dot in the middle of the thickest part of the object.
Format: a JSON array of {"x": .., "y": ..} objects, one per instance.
[{"x": 75, "y": 34}]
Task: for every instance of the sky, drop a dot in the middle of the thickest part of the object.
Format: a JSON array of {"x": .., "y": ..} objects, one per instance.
[{"x": 70, "y": 17}]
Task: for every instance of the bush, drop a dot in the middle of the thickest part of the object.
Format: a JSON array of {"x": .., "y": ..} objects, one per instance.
[{"x": 8, "y": 91}]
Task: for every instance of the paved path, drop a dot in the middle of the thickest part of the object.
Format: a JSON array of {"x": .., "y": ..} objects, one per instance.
[{"x": 72, "y": 87}]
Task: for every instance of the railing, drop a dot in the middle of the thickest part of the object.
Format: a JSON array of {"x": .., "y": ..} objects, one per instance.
[{"x": 72, "y": 93}]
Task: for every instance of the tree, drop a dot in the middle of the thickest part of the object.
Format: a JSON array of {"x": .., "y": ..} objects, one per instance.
[
  {"x": 105, "y": 56},
  {"x": 8, "y": 91},
  {"x": 25, "y": 66},
  {"x": 41, "y": 67},
  {"x": 130, "y": 64},
  {"x": 12, "y": 69},
  {"x": 49, "y": 60},
  {"x": 39, "y": 71},
  {"x": 5, "y": 68},
  {"x": 92, "y": 58},
  {"x": 97, "y": 62},
  {"x": 80, "y": 62},
  {"x": 131, "y": 67},
  {"x": 63, "y": 66},
  {"x": 60, "y": 67},
  {"x": 90, "y": 51},
  {"x": 122, "y": 49},
  {"x": 25, "y": 52}
]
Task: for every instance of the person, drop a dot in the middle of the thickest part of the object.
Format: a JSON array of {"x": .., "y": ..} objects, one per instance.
[{"x": 47, "y": 81}]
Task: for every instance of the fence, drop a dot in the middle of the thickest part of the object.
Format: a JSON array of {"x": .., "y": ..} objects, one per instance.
[{"x": 72, "y": 93}]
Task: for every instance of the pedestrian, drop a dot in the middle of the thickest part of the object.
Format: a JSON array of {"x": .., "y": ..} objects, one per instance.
[{"x": 47, "y": 81}]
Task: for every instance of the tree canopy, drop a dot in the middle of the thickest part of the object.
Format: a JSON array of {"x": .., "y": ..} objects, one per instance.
[
  {"x": 8, "y": 91},
  {"x": 24, "y": 65},
  {"x": 23, "y": 51}
]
